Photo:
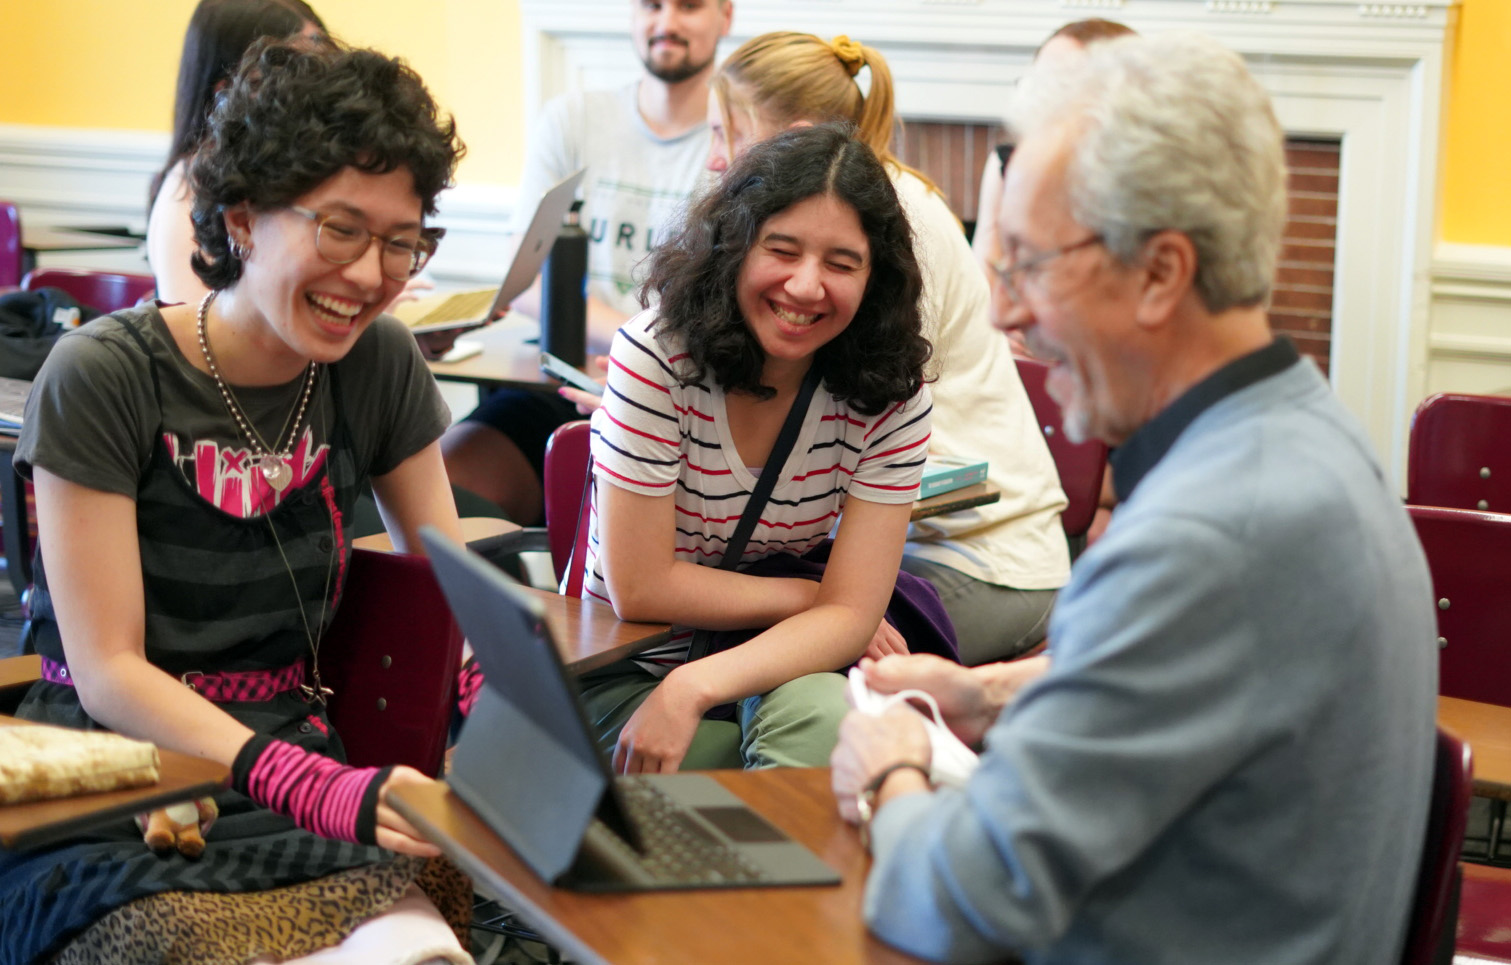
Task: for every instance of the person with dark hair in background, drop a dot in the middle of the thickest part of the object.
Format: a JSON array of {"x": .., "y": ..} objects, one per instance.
[
  {"x": 219, "y": 33},
  {"x": 196, "y": 467},
  {"x": 797, "y": 267}
]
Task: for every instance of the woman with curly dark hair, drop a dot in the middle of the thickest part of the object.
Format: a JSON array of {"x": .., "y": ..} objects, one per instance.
[
  {"x": 793, "y": 277},
  {"x": 997, "y": 567},
  {"x": 196, "y": 468}
]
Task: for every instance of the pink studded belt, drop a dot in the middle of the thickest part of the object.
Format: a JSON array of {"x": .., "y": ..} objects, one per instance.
[{"x": 233, "y": 686}]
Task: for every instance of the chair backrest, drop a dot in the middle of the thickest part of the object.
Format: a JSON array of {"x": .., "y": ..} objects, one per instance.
[
  {"x": 568, "y": 465},
  {"x": 1430, "y": 929},
  {"x": 106, "y": 291},
  {"x": 1458, "y": 454},
  {"x": 10, "y": 245},
  {"x": 1469, "y": 554},
  {"x": 391, "y": 655},
  {"x": 1080, "y": 464}
]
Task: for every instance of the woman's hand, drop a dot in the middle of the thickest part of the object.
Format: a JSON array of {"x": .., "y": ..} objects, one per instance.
[
  {"x": 394, "y": 832},
  {"x": 587, "y": 403},
  {"x": 887, "y": 640},
  {"x": 658, "y": 734}
]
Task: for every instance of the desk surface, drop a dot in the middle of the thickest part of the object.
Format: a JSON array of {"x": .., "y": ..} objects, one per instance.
[
  {"x": 181, "y": 778},
  {"x": 510, "y": 357},
  {"x": 588, "y": 634},
  {"x": 43, "y": 238},
  {"x": 1487, "y": 728},
  {"x": 979, "y": 494},
  {"x": 473, "y": 528},
  {"x": 731, "y": 926}
]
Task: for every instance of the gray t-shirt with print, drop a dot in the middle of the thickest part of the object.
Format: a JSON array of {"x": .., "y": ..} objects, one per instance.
[{"x": 92, "y": 417}]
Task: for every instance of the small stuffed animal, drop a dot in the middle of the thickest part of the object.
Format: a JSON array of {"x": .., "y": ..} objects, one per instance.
[{"x": 182, "y": 826}]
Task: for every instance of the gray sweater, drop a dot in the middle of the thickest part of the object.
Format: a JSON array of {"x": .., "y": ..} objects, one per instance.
[{"x": 1230, "y": 759}]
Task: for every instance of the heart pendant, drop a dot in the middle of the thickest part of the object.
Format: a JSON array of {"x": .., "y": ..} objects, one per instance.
[{"x": 275, "y": 471}]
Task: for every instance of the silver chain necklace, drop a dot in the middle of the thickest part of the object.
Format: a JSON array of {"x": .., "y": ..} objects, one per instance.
[{"x": 273, "y": 462}]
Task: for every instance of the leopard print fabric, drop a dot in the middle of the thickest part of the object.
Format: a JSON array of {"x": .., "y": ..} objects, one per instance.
[{"x": 208, "y": 928}]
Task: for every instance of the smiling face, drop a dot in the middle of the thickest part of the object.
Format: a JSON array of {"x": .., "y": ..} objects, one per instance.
[
  {"x": 1076, "y": 311},
  {"x": 677, "y": 39},
  {"x": 802, "y": 282},
  {"x": 305, "y": 306}
]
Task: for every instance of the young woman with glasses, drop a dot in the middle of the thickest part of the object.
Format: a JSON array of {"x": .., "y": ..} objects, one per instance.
[{"x": 196, "y": 467}]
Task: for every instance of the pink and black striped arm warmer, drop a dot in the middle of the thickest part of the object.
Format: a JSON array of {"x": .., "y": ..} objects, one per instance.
[
  {"x": 469, "y": 682},
  {"x": 330, "y": 799}
]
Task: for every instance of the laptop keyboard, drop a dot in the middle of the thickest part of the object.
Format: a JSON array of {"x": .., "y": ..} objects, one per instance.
[
  {"x": 461, "y": 307},
  {"x": 677, "y": 848}
]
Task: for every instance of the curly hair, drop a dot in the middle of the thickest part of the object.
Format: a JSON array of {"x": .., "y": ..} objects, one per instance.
[
  {"x": 296, "y": 114},
  {"x": 879, "y": 358}
]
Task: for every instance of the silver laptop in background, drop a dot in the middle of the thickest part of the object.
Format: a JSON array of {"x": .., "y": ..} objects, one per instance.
[
  {"x": 479, "y": 306},
  {"x": 528, "y": 764}
]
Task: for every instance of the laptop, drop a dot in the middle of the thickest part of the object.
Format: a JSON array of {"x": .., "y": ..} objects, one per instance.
[
  {"x": 528, "y": 764},
  {"x": 479, "y": 306}
]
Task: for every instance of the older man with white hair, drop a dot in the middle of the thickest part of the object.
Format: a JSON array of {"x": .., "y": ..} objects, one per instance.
[{"x": 1227, "y": 755}]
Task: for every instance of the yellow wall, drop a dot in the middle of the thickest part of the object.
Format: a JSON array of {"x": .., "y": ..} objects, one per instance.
[
  {"x": 122, "y": 59},
  {"x": 1477, "y": 139}
]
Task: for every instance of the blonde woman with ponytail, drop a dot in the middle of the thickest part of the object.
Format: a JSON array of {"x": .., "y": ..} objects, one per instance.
[{"x": 997, "y": 567}]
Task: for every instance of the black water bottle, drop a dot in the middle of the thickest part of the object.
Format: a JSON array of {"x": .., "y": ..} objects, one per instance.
[{"x": 564, "y": 293}]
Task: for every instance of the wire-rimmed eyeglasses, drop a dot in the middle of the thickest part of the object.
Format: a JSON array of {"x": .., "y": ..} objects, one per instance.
[
  {"x": 1011, "y": 273},
  {"x": 341, "y": 240}
]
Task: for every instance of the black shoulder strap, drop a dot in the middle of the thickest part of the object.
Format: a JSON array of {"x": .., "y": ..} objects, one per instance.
[{"x": 775, "y": 462}]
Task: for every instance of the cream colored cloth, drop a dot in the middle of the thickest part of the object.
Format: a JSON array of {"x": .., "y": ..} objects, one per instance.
[{"x": 38, "y": 762}]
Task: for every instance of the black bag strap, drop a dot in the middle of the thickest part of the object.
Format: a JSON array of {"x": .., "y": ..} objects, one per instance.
[{"x": 775, "y": 463}]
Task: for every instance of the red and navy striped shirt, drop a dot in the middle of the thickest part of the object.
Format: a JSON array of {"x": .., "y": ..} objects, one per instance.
[{"x": 657, "y": 437}]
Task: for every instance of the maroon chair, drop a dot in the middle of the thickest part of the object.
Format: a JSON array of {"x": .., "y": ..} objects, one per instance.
[
  {"x": 1484, "y": 925},
  {"x": 10, "y": 245},
  {"x": 105, "y": 291},
  {"x": 1430, "y": 932},
  {"x": 1460, "y": 453},
  {"x": 569, "y": 463},
  {"x": 1080, "y": 464},
  {"x": 391, "y": 656},
  {"x": 1469, "y": 554}
]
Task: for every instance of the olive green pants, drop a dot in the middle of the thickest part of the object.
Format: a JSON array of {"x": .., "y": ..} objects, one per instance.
[{"x": 794, "y": 725}]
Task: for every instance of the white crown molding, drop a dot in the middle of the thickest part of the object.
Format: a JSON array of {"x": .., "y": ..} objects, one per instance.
[{"x": 1367, "y": 73}]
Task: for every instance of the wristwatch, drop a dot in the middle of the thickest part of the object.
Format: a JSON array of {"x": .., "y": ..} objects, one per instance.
[{"x": 865, "y": 802}]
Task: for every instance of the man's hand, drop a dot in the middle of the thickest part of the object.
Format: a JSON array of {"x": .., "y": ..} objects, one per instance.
[
  {"x": 658, "y": 734},
  {"x": 394, "y": 832},
  {"x": 962, "y": 696},
  {"x": 867, "y": 745},
  {"x": 885, "y": 642}
]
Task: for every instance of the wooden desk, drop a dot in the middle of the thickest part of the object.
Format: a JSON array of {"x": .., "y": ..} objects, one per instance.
[
  {"x": 732, "y": 926},
  {"x": 955, "y": 500},
  {"x": 1487, "y": 729},
  {"x": 588, "y": 635},
  {"x": 181, "y": 778},
  {"x": 474, "y": 528},
  {"x": 510, "y": 357}
]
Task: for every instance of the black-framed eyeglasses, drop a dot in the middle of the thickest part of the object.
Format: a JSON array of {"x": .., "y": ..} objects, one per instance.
[
  {"x": 1011, "y": 273},
  {"x": 341, "y": 240}
]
